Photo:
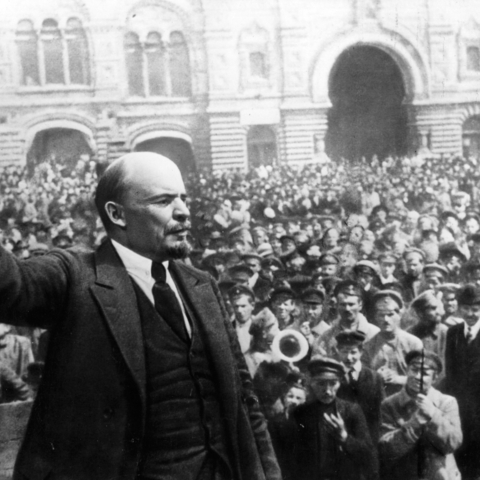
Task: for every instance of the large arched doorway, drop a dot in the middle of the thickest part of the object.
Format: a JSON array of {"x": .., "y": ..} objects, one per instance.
[
  {"x": 178, "y": 150},
  {"x": 367, "y": 116},
  {"x": 58, "y": 145}
]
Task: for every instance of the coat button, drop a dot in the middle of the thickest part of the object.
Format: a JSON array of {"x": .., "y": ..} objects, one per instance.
[{"x": 108, "y": 413}]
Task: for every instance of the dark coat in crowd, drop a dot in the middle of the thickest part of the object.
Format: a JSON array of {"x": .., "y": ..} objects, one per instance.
[
  {"x": 368, "y": 391},
  {"x": 462, "y": 381},
  {"x": 356, "y": 459},
  {"x": 88, "y": 420}
]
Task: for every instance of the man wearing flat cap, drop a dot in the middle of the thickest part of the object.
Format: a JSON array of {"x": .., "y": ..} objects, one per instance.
[
  {"x": 256, "y": 282},
  {"x": 412, "y": 280},
  {"x": 420, "y": 426},
  {"x": 331, "y": 440},
  {"x": 385, "y": 352},
  {"x": 360, "y": 384},
  {"x": 312, "y": 301},
  {"x": 462, "y": 365},
  {"x": 449, "y": 292},
  {"x": 282, "y": 305}
]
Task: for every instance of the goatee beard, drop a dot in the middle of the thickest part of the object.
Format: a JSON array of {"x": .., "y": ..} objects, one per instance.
[{"x": 179, "y": 251}]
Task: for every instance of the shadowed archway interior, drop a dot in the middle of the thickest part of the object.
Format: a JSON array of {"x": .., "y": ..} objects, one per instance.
[{"x": 367, "y": 116}]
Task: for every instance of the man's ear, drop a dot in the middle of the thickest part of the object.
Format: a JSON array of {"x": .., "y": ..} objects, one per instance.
[{"x": 115, "y": 214}]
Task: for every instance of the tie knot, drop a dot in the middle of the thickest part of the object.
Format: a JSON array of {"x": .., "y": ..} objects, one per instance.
[{"x": 159, "y": 273}]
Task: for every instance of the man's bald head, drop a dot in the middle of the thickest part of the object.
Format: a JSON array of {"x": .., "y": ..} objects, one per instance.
[{"x": 125, "y": 173}]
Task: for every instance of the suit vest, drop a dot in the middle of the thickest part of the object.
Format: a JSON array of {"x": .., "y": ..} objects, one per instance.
[{"x": 183, "y": 420}]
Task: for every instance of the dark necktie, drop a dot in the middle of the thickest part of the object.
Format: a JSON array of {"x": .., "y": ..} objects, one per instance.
[
  {"x": 351, "y": 379},
  {"x": 166, "y": 302}
]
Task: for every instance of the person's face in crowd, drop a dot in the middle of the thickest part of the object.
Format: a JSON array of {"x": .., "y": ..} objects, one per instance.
[
  {"x": 331, "y": 237},
  {"x": 474, "y": 276},
  {"x": 296, "y": 264},
  {"x": 243, "y": 308},
  {"x": 288, "y": 245},
  {"x": 434, "y": 278},
  {"x": 219, "y": 266},
  {"x": 348, "y": 307},
  {"x": 259, "y": 237},
  {"x": 387, "y": 268},
  {"x": 349, "y": 355},
  {"x": 365, "y": 249},
  {"x": 368, "y": 236},
  {"x": 431, "y": 313},
  {"x": 294, "y": 397},
  {"x": 253, "y": 264},
  {"x": 387, "y": 315},
  {"x": 154, "y": 216},
  {"x": 471, "y": 226},
  {"x": 313, "y": 311},
  {"x": 381, "y": 215},
  {"x": 452, "y": 223},
  {"x": 356, "y": 234},
  {"x": 425, "y": 223},
  {"x": 239, "y": 247},
  {"x": 329, "y": 270},
  {"x": 301, "y": 239},
  {"x": 453, "y": 264},
  {"x": 325, "y": 386},
  {"x": 283, "y": 308},
  {"x": 450, "y": 303},
  {"x": 416, "y": 375},
  {"x": 414, "y": 263},
  {"x": 305, "y": 328},
  {"x": 365, "y": 277},
  {"x": 276, "y": 246},
  {"x": 470, "y": 313}
]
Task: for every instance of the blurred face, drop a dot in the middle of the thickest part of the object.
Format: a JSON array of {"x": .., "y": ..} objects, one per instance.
[
  {"x": 453, "y": 264},
  {"x": 387, "y": 315},
  {"x": 329, "y": 270},
  {"x": 431, "y": 313},
  {"x": 387, "y": 268},
  {"x": 416, "y": 376},
  {"x": 364, "y": 277},
  {"x": 325, "y": 386},
  {"x": 475, "y": 276},
  {"x": 268, "y": 334},
  {"x": 331, "y": 238},
  {"x": 305, "y": 329},
  {"x": 471, "y": 226},
  {"x": 253, "y": 264},
  {"x": 450, "y": 303},
  {"x": 414, "y": 264},
  {"x": 259, "y": 237},
  {"x": 282, "y": 308},
  {"x": 287, "y": 244},
  {"x": 294, "y": 397},
  {"x": 349, "y": 355},
  {"x": 156, "y": 219},
  {"x": 276, "y": 245},
  {"x": 434, "y": 278},
  {"x": 243, "y": 308},
  {"x": 348, "y": 307},
  {"x": 356, "y": 235},
  {"x": 470, "y": 313},
  {"x": 313, "y": 311}
]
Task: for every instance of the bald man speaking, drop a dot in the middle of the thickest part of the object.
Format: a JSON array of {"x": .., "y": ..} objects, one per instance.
[{"x": 144, "y": 377}]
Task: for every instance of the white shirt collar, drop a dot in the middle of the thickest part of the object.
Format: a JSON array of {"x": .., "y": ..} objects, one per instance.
[
  {"x": 136, "y": 265},
  {"x": 474, "y": 329}
]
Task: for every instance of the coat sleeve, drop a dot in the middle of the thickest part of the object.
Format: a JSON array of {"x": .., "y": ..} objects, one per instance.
[
  {"x": 13, "y": 387},
  {"x": 257, "y": 420},
  {"x": 444, "y": 430},
  {"x": 359, "y": 445},
  {"x": 32, "y": 291}
]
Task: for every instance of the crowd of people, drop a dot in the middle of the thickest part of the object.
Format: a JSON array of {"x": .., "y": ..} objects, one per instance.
[{"x": 375, "y": 265}]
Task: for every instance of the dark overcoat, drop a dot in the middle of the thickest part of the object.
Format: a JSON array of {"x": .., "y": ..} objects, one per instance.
[
  {"x": 88, "y": 420},
  {"x": 356, "y": 459}
]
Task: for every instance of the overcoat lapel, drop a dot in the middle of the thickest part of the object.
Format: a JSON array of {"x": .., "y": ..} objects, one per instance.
[{"x": 114, "y": 292}]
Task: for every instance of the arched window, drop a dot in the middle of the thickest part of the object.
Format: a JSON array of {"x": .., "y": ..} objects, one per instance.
[
  {"x": 158, "y": 69},
  {"x": 134, "y": 58},
  {"x": 53, "y": 56},
  {"x": 77, "y": 48},
  {"x": 471, "y": 137},
  {"x": 28, "y": 50},
  {"x": 262, "y": 146},
  {"x": 52, "y": 52},
  {"x": 179, "y": 66},
  {"x": 155, "y": 53},
  {"x": 473, "y": 59},
  {"x": 258, "y": 67}
]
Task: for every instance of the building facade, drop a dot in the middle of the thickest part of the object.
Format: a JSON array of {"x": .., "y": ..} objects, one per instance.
[{"x": 238, "y": 83}]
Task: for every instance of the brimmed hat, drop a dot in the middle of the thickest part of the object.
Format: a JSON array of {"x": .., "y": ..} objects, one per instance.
[{"x": 328, "y": 365}]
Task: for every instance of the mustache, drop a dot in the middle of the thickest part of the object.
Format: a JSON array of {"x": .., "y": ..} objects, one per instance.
[{"x": 178, "y": 227}]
